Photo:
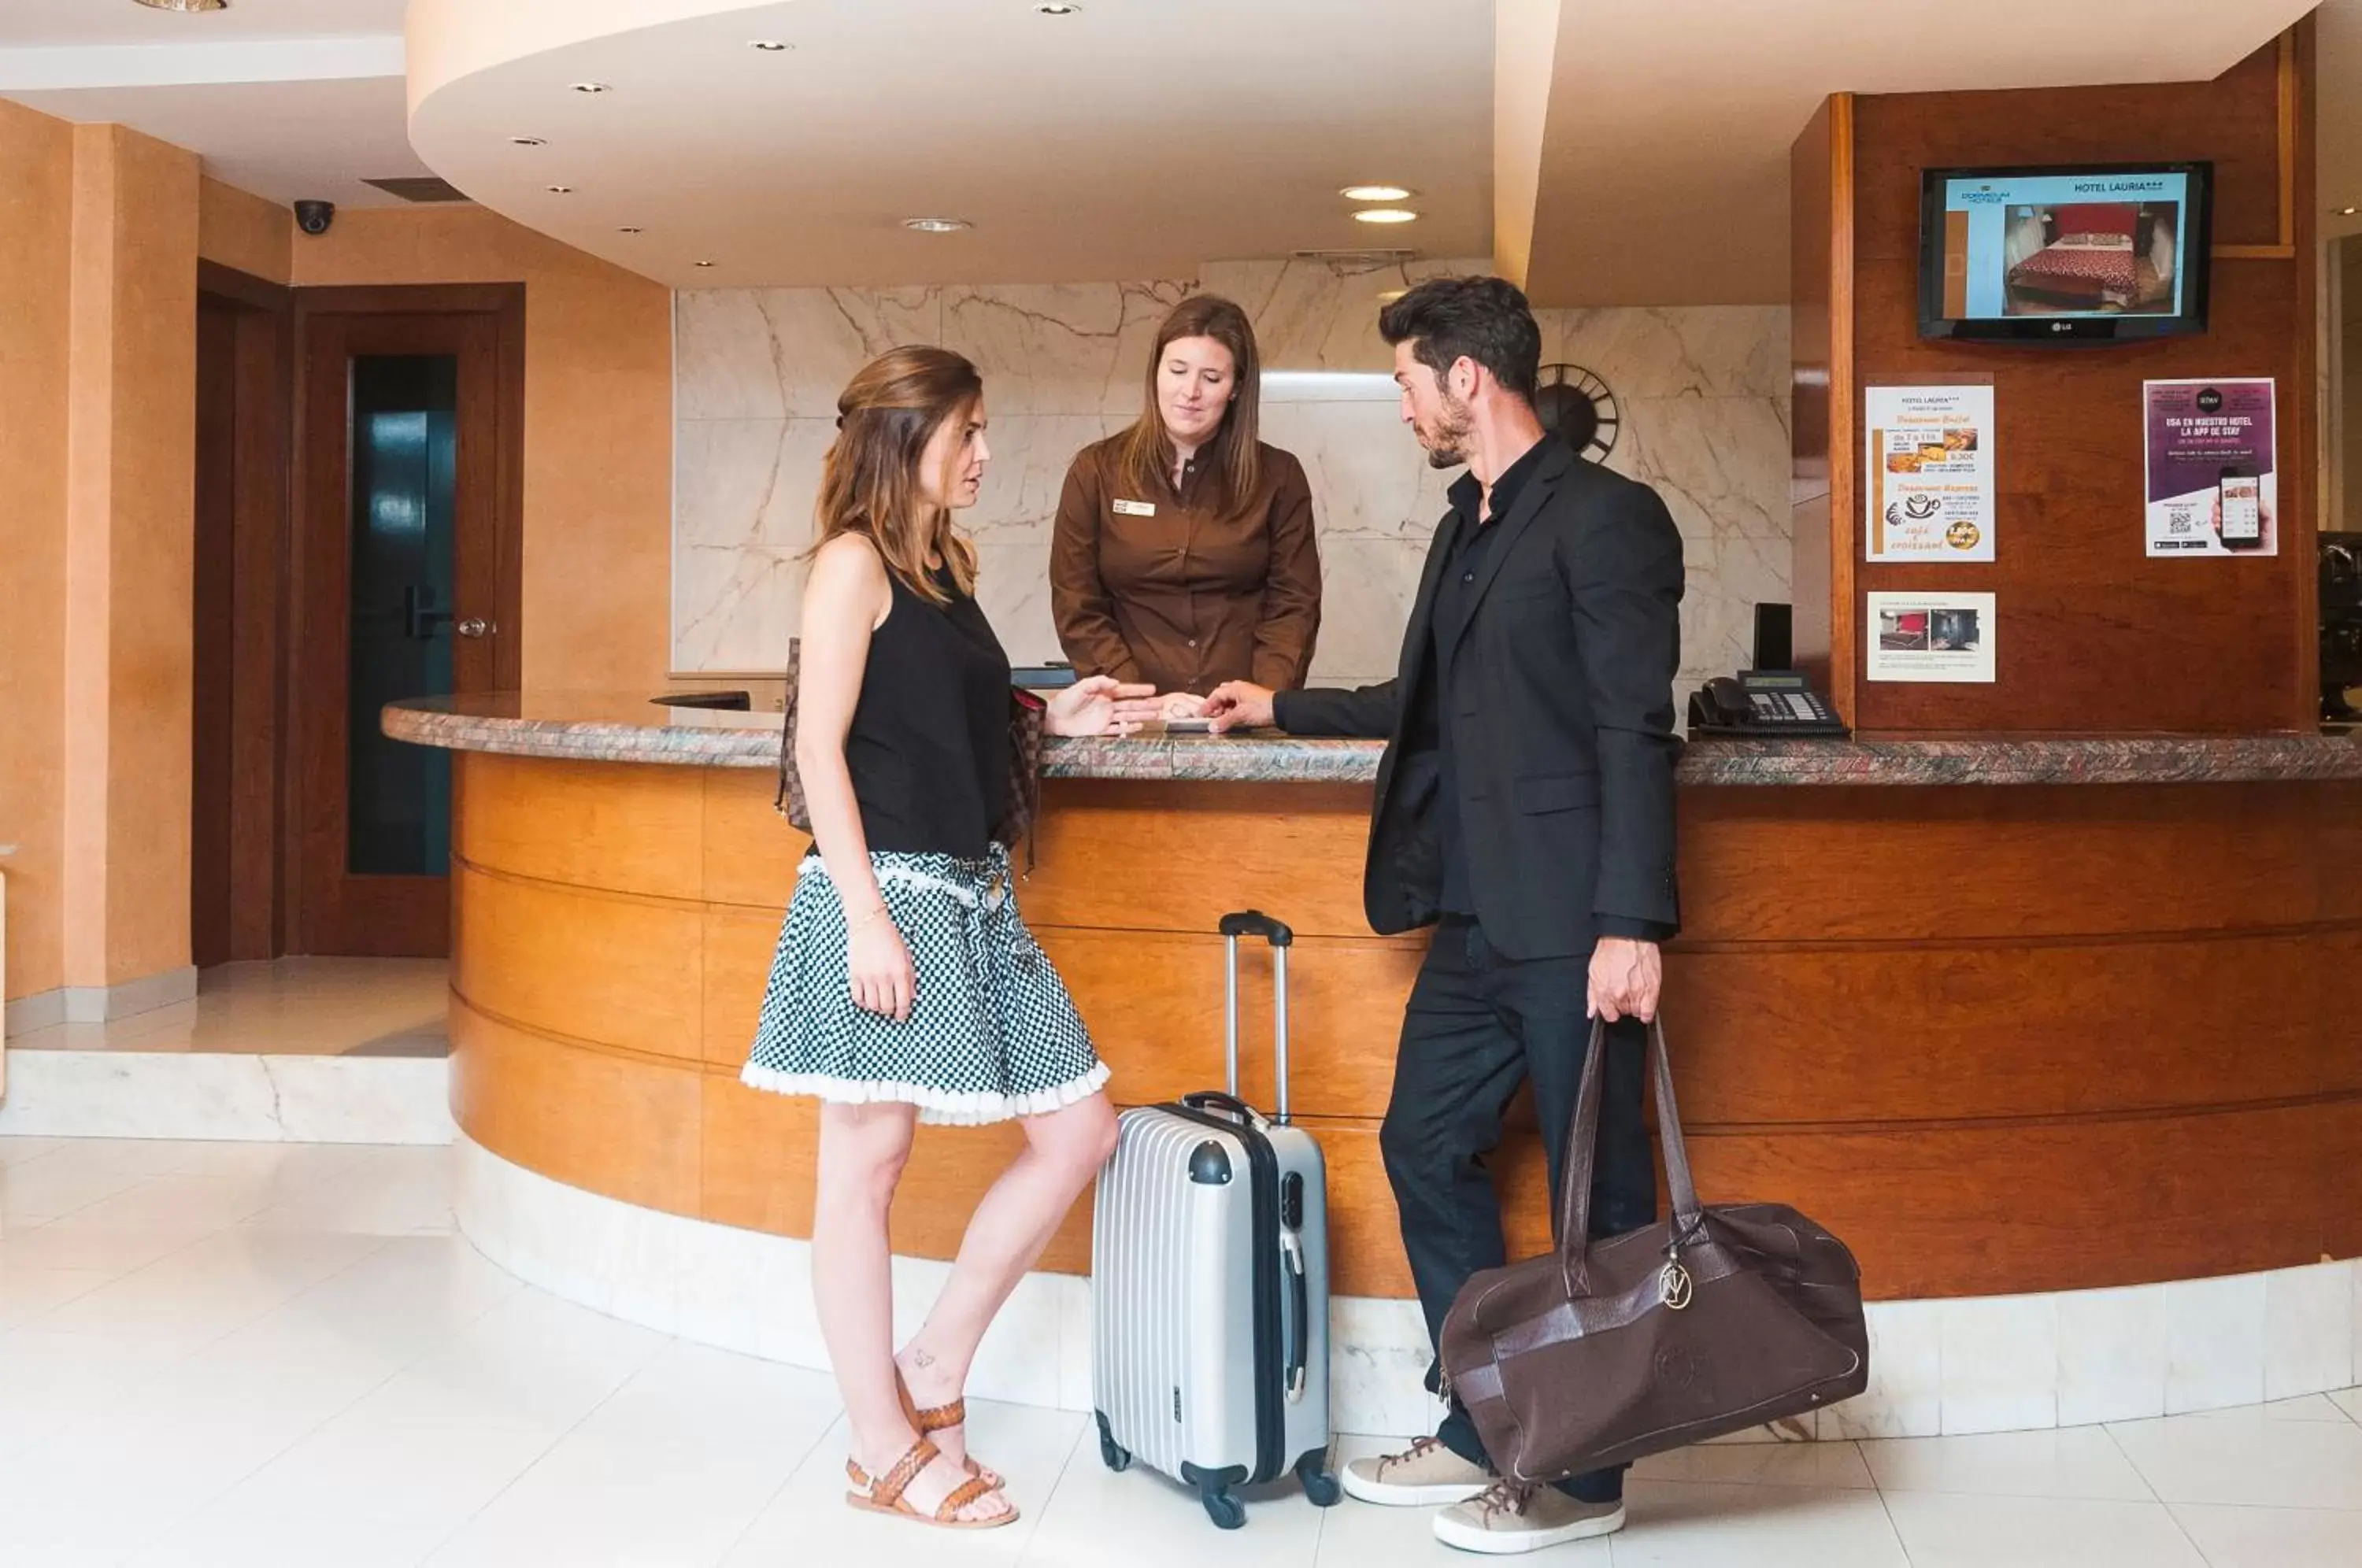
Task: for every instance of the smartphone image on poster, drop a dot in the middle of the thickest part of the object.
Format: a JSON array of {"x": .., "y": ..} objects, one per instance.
[{"x": 2243, "y": 509}]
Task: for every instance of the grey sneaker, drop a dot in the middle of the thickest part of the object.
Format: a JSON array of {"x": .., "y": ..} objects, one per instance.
[
  {"x": 1426, "y": 1475},
  {"x": 1511, "y": 1517}
]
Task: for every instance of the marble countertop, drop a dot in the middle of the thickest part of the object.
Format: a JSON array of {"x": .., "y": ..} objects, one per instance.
[{"x": 613, "y": 727}]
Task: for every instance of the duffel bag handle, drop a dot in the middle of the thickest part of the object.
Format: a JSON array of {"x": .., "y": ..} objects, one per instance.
[{"x": 1582, "y": 1153}]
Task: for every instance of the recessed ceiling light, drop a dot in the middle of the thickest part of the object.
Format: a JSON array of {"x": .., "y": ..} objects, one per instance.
[
  {"x": 771, "y": 46},
  {"x": 186, "y": 4},
  {"x": 528, "y": 141},
  {"x": 1056, "y": 8},
  {"x": 560, "y": 190},
  {"x": 937, "y": 224},
  {"x": 1375, "y": 194},
  {"x": 2347, "y": 212},
  {"x": 705, "y": 263},
  {"x": 627, "y": 228},
  {"x": 1385, "y": 214},
  {"x": 591, "y": 87}
]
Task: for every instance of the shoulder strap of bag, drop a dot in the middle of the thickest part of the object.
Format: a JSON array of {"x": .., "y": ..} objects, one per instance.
[
  {"x": 1574, "y": 1194},
  {"x": 1028, "y": 716},
  {"x": 789, "y": 802}
]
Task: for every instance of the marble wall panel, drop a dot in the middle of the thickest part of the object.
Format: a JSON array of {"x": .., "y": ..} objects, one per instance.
[{"x": 1702, "y": 390}]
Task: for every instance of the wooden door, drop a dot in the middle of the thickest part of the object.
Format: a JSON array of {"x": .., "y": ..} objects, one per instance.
[
  {"x": 405, "y": 586},
  {"x": 238, "y": 832}
]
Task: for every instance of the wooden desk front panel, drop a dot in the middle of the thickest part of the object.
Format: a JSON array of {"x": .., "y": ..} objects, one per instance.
[{"x": 2001, "y": 1040}]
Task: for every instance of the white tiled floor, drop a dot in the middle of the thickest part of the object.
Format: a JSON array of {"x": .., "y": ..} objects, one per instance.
[
  {"x": 251, "y": 1354},
  {"x": 385, "y": 1007}
]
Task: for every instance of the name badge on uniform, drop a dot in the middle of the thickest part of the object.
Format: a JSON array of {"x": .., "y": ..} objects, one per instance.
[{"x": 1136, "y": 508}]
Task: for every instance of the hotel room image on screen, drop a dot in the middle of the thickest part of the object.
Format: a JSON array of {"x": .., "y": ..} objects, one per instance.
[{"x": 2082, "y": 246}]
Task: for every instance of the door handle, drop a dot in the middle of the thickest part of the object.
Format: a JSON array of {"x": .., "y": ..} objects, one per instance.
[{"x": 475, "y": 626}]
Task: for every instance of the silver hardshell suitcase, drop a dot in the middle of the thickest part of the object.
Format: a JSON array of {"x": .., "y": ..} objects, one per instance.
[{"x": 1210, "y": 1281}]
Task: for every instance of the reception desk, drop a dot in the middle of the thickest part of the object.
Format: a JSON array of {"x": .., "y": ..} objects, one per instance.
[{"x": 2018, "y": 1018}]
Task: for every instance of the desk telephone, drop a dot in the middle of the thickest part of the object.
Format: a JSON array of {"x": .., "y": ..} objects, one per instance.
[{"x": 1763, "y": 703}]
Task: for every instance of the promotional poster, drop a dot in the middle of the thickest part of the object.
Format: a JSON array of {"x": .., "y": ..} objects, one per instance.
[{"x": 2212, "y": 487}]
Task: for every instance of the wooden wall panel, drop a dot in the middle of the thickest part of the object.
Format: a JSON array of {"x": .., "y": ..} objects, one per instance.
[
  {"x": 1999, "y": 1209},
  {"x": 1998, "y": 1039},
  {"x": 1180, "y": 857},
  {"x": 757, "y": 1156},
  {"x": 1905, "y": 1034},
  {"x": 625, "y": 1126},
  {"x": 2087, "y": 624},
  {"x": 1153, "y": 1002},
  {"x": 739, "y": 944},
  {"x": 750, "y": 851},
  {"x": 758, "y": 1169},
  {"x": 2024, "y": 863},
  {"x": 589, "y": 965},
  {"x": 626, "y": 827},
  {"x": 2341, "y": 1178}
]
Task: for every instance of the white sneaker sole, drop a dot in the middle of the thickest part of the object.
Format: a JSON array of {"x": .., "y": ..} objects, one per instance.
[
  {"x": 1516, "y": 1542},
  {"x": 1394, "y": 1494}
]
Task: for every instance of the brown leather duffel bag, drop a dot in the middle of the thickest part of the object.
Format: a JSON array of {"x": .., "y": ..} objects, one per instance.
[{"x": 1605, "y": 1352}]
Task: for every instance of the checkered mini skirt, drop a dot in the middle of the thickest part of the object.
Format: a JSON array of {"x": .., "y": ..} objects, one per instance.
[{"x": 992, "y": 1033}]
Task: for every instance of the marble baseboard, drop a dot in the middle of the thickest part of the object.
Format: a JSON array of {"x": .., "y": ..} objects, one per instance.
[
  {"x": 227, "y": 1097},
  {"x": 99, "y": 1004},
  {"x": 1974, "y": 1364}
]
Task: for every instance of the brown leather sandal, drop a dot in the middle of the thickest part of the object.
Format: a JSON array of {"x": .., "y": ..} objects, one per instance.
[
  {"x": 885, "y": 1497},
  {"x": 941, "y": 1417}
]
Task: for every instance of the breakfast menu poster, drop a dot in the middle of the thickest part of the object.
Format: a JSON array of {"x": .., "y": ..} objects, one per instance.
[{"x": 1930, "y": 491}]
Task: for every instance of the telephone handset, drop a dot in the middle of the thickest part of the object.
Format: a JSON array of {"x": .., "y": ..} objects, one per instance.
[{"x": 1759, "y": 702}]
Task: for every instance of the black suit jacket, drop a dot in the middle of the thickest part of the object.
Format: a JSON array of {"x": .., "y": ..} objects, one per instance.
[{"x": 1563, "y": 708}]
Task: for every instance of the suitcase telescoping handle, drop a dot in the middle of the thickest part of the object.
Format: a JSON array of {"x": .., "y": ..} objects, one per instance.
[{"x": 1254, "y": 923}]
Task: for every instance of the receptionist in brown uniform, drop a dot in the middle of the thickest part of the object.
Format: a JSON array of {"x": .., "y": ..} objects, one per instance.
[{"x": 1184, "y": 553}]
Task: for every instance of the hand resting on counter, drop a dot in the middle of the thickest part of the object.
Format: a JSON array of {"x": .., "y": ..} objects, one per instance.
[
  {"x": 1100, "y": 705},
  {"x": 1239, "y": 705}
]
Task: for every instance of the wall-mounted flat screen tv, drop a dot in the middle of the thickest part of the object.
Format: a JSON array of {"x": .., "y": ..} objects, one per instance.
[{"x": 2086, "y": 253}]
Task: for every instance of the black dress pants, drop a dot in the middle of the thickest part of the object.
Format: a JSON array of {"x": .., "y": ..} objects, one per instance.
[{"x": 1477, "y": 1025}]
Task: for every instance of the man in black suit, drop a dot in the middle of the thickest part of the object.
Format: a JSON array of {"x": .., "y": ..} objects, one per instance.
[{"x": 1525, "y": 807}]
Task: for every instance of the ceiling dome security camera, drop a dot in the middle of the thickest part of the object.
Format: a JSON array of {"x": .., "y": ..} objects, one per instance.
[{"x": 315, "y": 216}]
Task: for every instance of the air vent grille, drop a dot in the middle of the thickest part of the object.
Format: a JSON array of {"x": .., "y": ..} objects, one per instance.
[{"x": 420, "y": 188}]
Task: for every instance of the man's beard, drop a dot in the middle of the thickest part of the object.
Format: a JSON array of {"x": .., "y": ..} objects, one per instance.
[{"x": 1449, "y": 446}]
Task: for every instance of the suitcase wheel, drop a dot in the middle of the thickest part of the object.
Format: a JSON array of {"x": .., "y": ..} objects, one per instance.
[
  {"x": 1320, "y": 1487},
  {"x": 1214, "y": 1491},
  {"x": 1112, "y": 1454}
]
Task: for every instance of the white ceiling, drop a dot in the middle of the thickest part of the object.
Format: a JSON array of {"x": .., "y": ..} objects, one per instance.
[
  {"x": 284, "y": 141},
  {"x": 90, "y": 23},
  {"x": 285, "y": 98},
  {"x": 1135, "y": 140},
  {"x": 1602, "y": 152},
  {"x": 1665, "y": 165}
]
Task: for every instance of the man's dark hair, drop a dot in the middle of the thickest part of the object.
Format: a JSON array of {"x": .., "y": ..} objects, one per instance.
[{"x": 1487, "y": 319}]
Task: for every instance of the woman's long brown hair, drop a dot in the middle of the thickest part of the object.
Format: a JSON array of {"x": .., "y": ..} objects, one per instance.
[
  {"x": 1231, "y": 454},
  {"x": 871, "y": 485}
]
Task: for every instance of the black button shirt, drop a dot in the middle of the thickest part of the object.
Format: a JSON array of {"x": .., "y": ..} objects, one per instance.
[{"x": 1455, "y": 595}]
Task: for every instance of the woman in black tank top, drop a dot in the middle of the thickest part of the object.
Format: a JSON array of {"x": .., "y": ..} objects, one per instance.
[{"x": 905, "y": 988}]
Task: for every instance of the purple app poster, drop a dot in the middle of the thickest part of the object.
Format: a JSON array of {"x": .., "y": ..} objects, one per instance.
[{"x": 2213, "y": 489}]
